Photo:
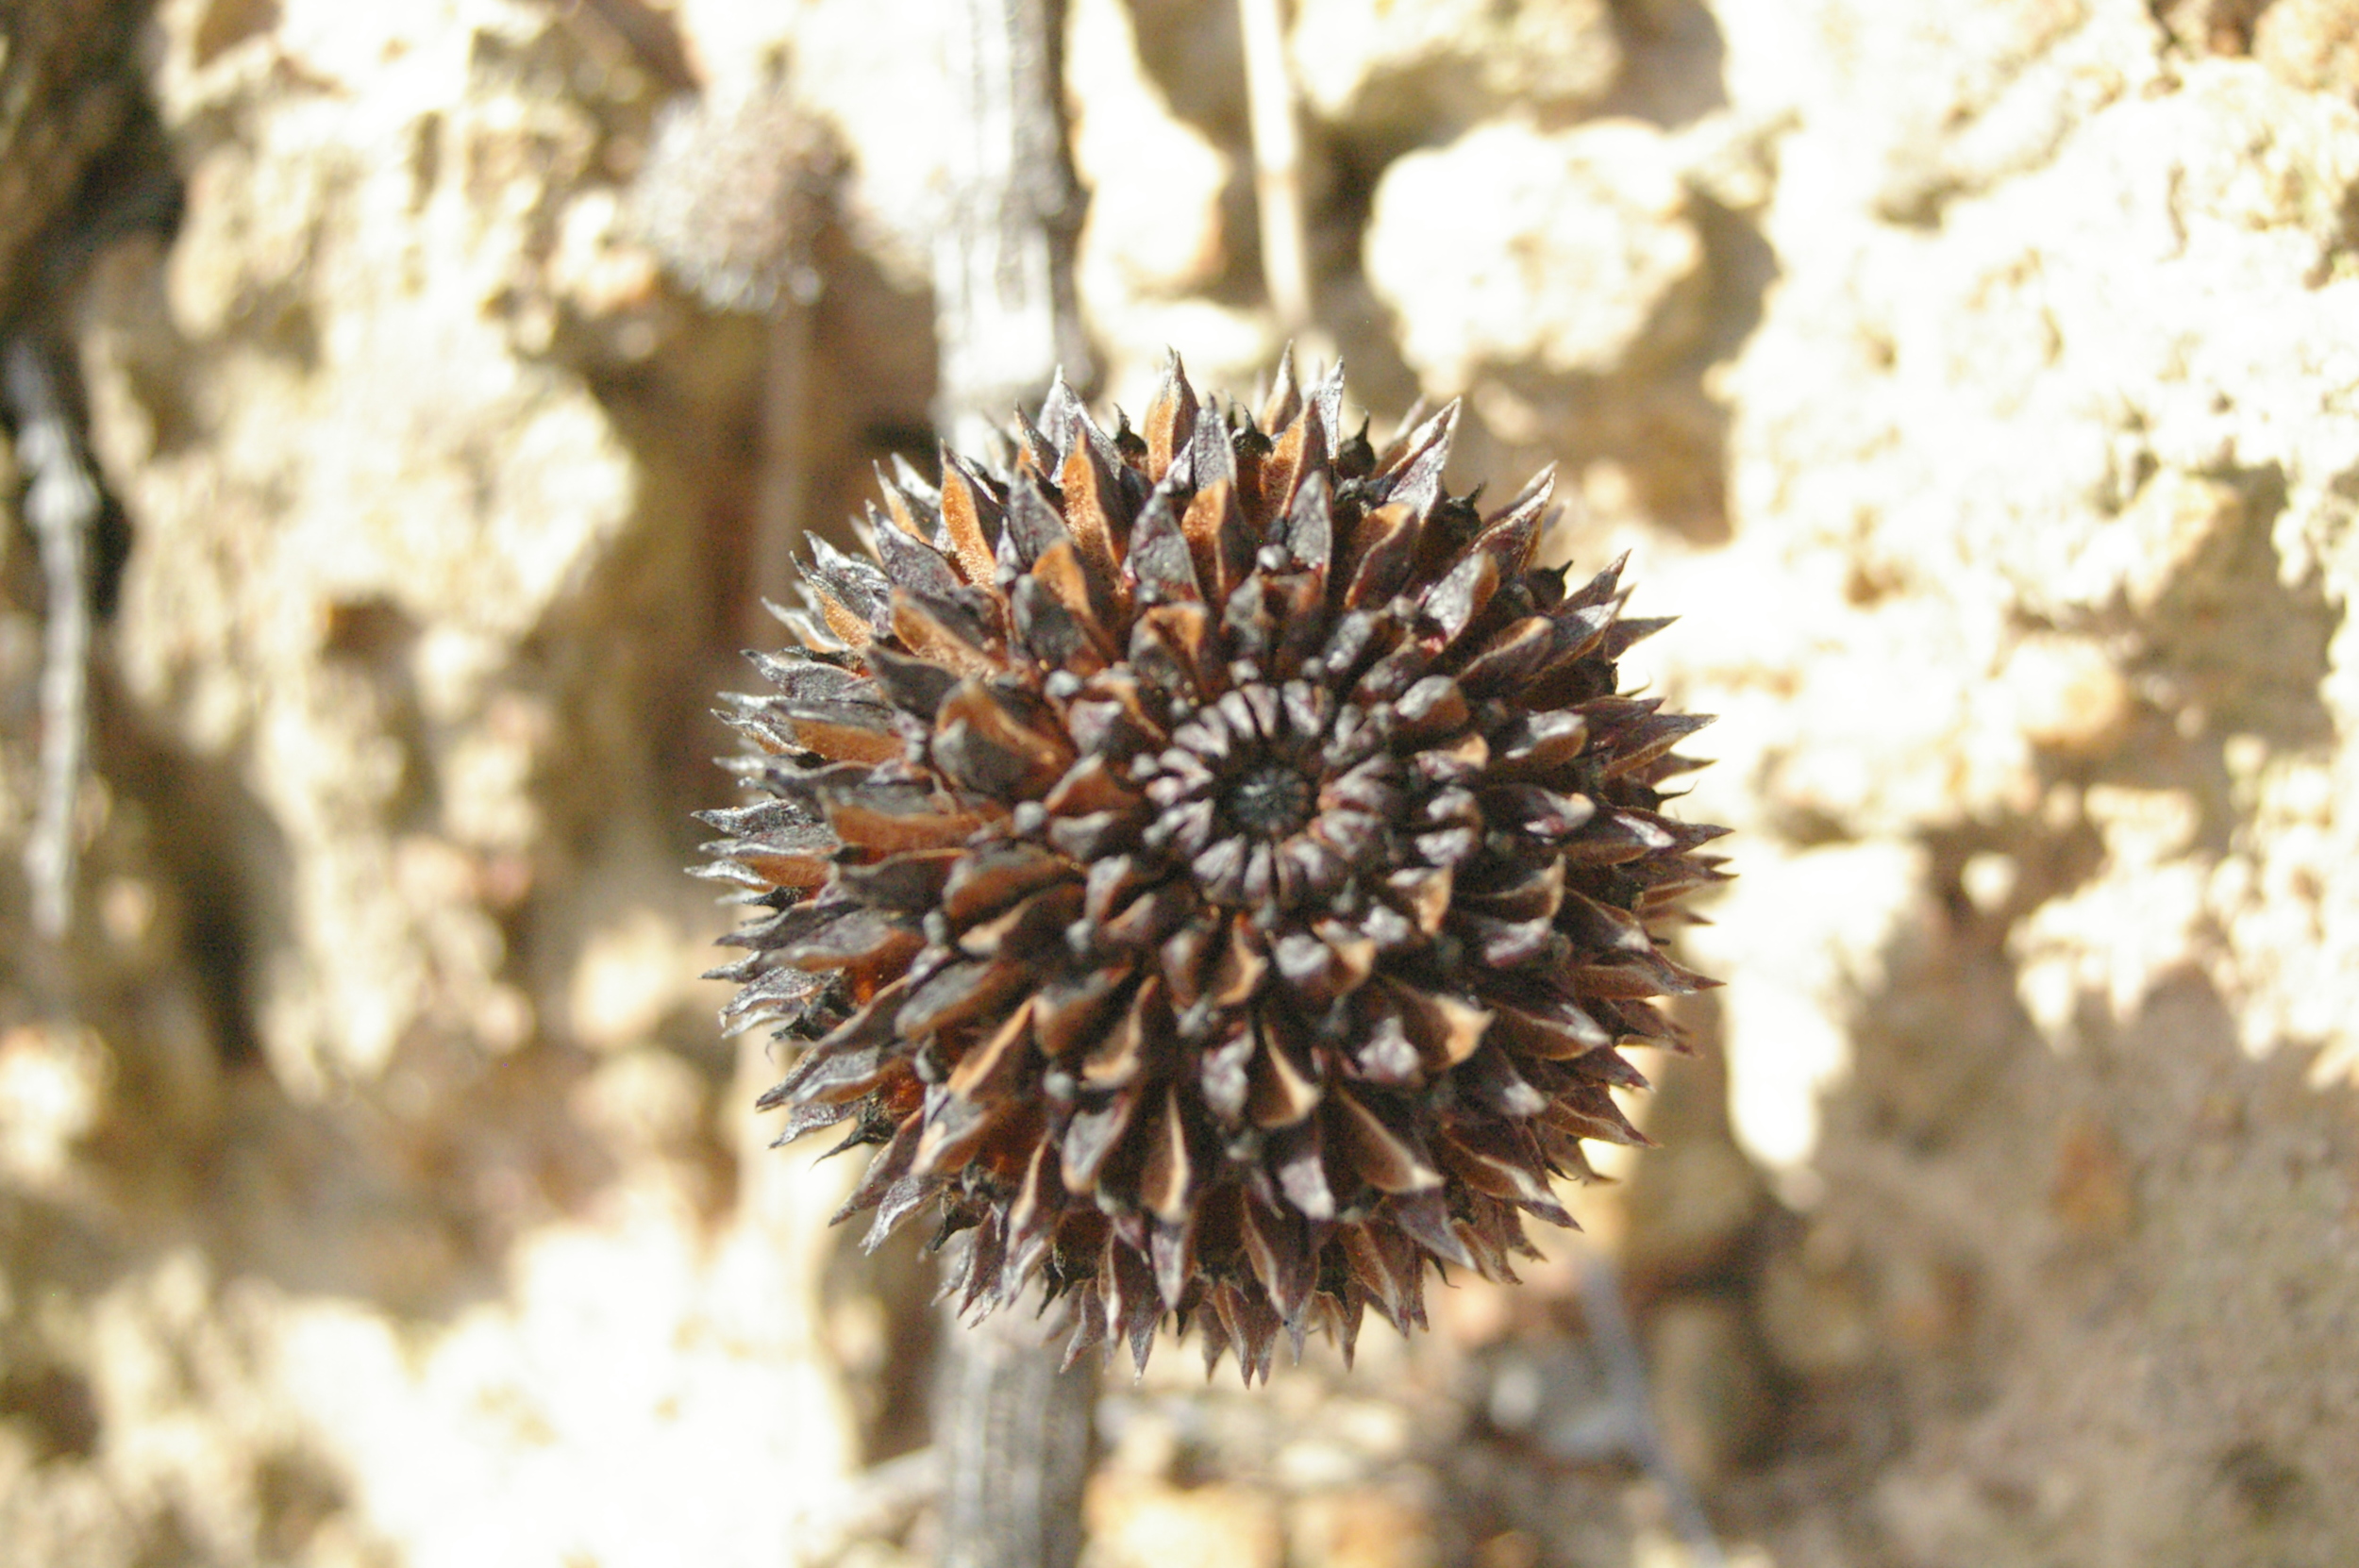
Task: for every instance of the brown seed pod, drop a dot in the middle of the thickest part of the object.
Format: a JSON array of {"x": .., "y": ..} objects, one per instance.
[{"x": 1213, "y": 863}]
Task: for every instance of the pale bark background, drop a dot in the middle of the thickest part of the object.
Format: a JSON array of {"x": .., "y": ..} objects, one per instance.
[{"x": 1979, "y": 378}]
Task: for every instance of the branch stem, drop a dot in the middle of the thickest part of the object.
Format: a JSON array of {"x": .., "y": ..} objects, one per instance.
[
  {"x": 1277, "y": 166},
  {"x": 1014, "y": 1431},
  {"x": 61, "y": 506}
]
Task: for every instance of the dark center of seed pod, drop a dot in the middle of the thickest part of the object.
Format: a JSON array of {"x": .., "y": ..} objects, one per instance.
[{"x": 1270, "y": 800}]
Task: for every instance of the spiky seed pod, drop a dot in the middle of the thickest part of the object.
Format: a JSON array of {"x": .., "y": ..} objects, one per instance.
[
  {"x": 1216, "y": 866},
  {"x": 733, "y": 193}
]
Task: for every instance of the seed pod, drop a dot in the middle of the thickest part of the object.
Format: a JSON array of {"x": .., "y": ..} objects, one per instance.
[{"x": 1216, "y": 866}]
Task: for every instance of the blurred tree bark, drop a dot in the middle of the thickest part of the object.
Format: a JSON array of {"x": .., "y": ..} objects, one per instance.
[{"x": 1013, "y": 1432}]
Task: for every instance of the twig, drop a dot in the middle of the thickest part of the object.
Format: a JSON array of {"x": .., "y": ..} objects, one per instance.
[
  {"x": 1015, "y": 1433},
  {"x": 67, "y": 92},
  {"x": 62, "y": 507},
  {"x": 1626, "y": 1374},
  {"x": 780, "y": 504},
  {"x": 1006, "y": 315},
  {"x": 1277, "y": 167}
]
